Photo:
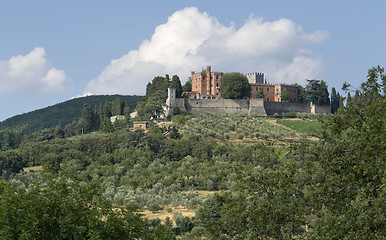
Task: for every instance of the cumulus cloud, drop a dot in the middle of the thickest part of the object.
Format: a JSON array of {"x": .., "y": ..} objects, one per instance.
[
  {"x": 191, "y": 40},
  {"x": 31, "y": 73}
]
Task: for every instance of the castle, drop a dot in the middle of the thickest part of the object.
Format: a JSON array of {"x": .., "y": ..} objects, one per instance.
[
  {"x": 206, "y": 97},
  {"x": 206, "y": 85}
]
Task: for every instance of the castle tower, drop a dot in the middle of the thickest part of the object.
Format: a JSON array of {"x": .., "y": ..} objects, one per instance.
[
  {"x": 206, "y": 82},
  {"x": 171, "y": 96},
  {"x": 255, "y": 78}
]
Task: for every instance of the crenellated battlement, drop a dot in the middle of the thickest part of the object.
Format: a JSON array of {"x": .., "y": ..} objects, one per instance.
[{"x": 255, "y": 78}]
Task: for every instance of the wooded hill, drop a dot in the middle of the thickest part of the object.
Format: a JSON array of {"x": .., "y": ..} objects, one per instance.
[
  {"x": 61, "y": 113},
  {"x": 245, "y": 177}
]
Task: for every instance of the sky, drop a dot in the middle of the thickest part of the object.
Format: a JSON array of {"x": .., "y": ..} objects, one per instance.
[{"x": 54, "y": 50}]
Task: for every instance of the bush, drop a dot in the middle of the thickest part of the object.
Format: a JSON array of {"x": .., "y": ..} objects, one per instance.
[{"x": 154, "y": 206}]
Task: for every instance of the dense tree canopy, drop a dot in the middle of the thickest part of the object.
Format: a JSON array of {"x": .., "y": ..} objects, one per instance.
[
  {"x": 234, "y": 86},
  {"x": 330, "y": 188},
  {"x": 316, "y": 92},
  {"x": 156, "y": 95},
  {"x": 61, "y": 208},
  {"x": 187, "y": 86},
  {"x": 335, "y": 100},
  {"x": 348, "y": 192},
  {"x": 176, "y": 83},
  {"x": 284, "y": 95},
  {"x": 62, "y": 113}
]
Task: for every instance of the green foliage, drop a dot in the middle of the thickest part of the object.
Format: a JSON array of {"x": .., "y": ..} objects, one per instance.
[
  {"x": 260, "y": 93},
  {"x": 308, "y": 127},
  {"x": 11, "y": 161},
  {"x": 284, "y": 95},
  {"x": 335, "y": 100},
  {"x": 234, "y": 86},
  {"x": 118, "y": 107},
  {"x": 267, "y": 206},
  {"x": 187, "y": 86},
  {"x": 89, "y": 121},
  {"x": 348, "y": 191},
  {"x": 10, "y": 139},
  {"x": 60, "y": 208},
  {"x": 61, "y": 113},
  {"x": 176, "y": 83},
  {"x": 328, "y": 189},
  {"x": 234, "y": 126},
  {"x": 164, "y": 232},
  {"x": 156, "y": 95},
  {"x": 302, "y": 98},
  {"x": 316, "y": 92}
]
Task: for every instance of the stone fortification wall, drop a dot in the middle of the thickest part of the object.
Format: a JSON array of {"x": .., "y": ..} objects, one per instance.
[
  {"x": 180, "y": 103},
  {"x": 256, "y": 107},
  {"x": 197, "y": 106},
  {"x": 233, "y": 106},
  {"x": 320, "y": 108},
  {"x": 282, "y": 107},
  {"x": 239, "y": 106}
]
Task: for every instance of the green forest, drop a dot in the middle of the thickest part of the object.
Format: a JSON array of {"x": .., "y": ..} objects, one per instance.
[
  {"x": 61, "y": 113},
  {"x": 211, "y": 176}
]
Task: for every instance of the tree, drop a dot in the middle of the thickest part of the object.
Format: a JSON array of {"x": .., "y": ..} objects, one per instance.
[
  {"x": 164, "y": 232},
  {"x": 267, "y": 206},
  {"x": 335, "y": 99},
  {"x": 284, "y": 95},
  {"x": 341, "y": 101},
  {"x": 57, "y": 207},
  {"x": 260, "y": 93},
  {"x": 156, "y": 95},
  {"x": 176, "y": 83},
  {"x": 89, "y": 121},
  {"x": 234, "y": 86},
  {"x": 59, "y": 132},
  {"x": 187, "y": 86},
  {"x": 117, "y": 107},
  {"x": 348, "y": 99},
  {"x": 301, "y": 93},
  {"x": 316, "y": 92},
  {"x": 347, "y": 190}
]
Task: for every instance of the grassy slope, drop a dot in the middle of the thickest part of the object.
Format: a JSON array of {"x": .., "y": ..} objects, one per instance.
[
  {"x": 243, "y": 127},
  {"x": 307, "y": 127}
]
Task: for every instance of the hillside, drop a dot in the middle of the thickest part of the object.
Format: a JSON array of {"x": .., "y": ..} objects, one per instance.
[{"x": 62, "y": 113}]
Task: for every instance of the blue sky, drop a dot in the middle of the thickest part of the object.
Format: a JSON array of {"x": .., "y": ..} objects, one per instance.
[{"x": 51, "y": 50}]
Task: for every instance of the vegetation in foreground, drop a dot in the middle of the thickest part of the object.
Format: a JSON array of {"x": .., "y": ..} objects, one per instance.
[{"x": 333, "y": 188}]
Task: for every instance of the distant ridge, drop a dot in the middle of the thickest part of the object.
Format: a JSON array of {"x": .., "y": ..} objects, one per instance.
[{"x": 61, "y": 113}]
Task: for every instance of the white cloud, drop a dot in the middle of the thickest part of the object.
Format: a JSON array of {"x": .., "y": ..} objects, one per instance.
[
  {"x": 31, "y": 73},
  {"x": 191, "y": 40}
]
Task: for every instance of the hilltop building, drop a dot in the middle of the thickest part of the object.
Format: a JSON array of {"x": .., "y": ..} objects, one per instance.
[
  {"x": 206, "y": 85},
  {"x": 255, "y": 78},
  {"x": 273, "y": 92},
  {"x": 258, "y": 107},
  {"x": 144, "y": 125},
  {"x": 117, "y": 117}
]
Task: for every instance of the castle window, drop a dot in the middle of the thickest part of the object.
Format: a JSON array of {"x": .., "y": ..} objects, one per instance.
[{"x": 267, "y": 89}]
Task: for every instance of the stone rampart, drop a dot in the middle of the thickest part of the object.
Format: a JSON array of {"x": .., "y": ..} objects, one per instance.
[
  {"x": 197, "y": 106},
  {"x": 257, "y": 107},
  {"x": 320, "y": 108},
  {"x": 282, "y": 107}
]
